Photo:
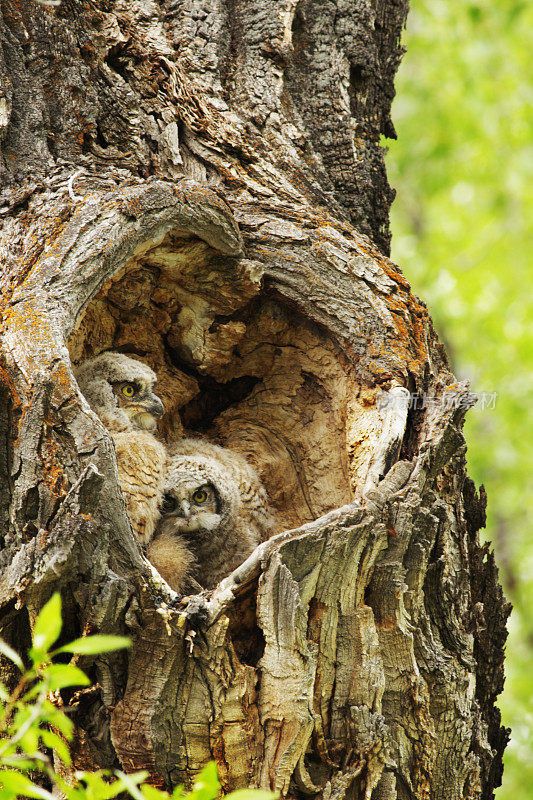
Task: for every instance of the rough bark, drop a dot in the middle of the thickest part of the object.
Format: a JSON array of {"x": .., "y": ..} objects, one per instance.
[{"x": 201, "y": 184}]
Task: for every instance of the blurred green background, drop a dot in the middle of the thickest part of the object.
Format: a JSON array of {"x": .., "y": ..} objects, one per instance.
[{"x": 462, "y": 228}]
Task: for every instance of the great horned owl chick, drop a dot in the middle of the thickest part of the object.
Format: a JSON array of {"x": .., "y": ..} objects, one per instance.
[
  {"x": 215, "y": 505},
  {"x": 121, "y": 391}
]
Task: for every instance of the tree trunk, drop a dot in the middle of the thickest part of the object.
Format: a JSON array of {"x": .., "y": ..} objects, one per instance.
[{"x": 201, "y": 184}]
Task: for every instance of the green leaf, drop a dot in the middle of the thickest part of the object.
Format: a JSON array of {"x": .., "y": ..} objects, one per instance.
[
  {"x": 97, "y": 786},
  {"x": 17, "y": 761},
  {"x": 21, "y": 785},
  {"x": 35, "y": 691},
  {"x": 22, "y": 714},
  {"x": 8, "y": 652},
  {"x": 47, "y": 627},
  {"x": 69, "y": 790},
  {"x": 58, "y": 676},
  {"x": 59, "y": 720},
  {"x": 56, "y": 743},
  {"x": 151, "y": 793},
  {"x": 92, "y": 645},
  {"x": 207, "y": 785},
  {"x": 252, "y": 794},
  {"x": 30, "y": 741},
  {"x": 131, "y": 782},
  {"x": 4, "y": 744}
]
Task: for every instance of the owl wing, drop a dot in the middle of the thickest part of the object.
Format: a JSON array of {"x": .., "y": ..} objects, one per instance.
[
  {"x": 256, "y": 511},
  {"x": 140, "y": 462}
]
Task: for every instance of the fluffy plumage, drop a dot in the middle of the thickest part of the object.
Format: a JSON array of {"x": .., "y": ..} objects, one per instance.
[
  {"x": 120, "y": 390},
  {"x": 215, "y": 505},
  {"x": 174, "y": 561}
]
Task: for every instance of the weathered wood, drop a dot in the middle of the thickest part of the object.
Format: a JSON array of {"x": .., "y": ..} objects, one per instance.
[{"x": 201, "y": 184}]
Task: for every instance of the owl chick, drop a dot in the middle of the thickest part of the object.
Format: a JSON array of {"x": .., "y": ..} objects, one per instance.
[
  {"x": 214, "y": 504},
  {"x": 120, "y": 390}
]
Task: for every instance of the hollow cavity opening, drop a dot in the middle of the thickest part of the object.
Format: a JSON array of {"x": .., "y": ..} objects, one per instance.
[{"x": 238, "y": 366}]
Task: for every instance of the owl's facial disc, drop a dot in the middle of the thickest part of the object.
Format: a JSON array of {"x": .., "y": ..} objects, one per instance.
[
  {"x": 192, "y": 508},
  {"x": 139, "y": 402}
]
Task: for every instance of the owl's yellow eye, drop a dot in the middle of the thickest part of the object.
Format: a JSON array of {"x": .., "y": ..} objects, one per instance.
[
  {"x": 200, "y": 496},
  {"x": 128, "y": 390}
]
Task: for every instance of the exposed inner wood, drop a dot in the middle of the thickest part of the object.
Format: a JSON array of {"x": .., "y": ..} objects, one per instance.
[{"x": 237, "y": 365}]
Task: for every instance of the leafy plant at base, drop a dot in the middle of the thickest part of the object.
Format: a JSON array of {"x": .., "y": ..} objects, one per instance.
[{"x": 31, "y": 724}]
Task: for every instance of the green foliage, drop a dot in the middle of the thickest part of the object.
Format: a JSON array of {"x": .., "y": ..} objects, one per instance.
[
  {"x": 32, "y": 725},
  {"x": 462, "y": 231}
]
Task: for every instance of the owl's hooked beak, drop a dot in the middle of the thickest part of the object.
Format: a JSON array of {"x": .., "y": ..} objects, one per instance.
[
  {"x": 185, "y": 510},
  {"x": 156, "y": 407}
]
